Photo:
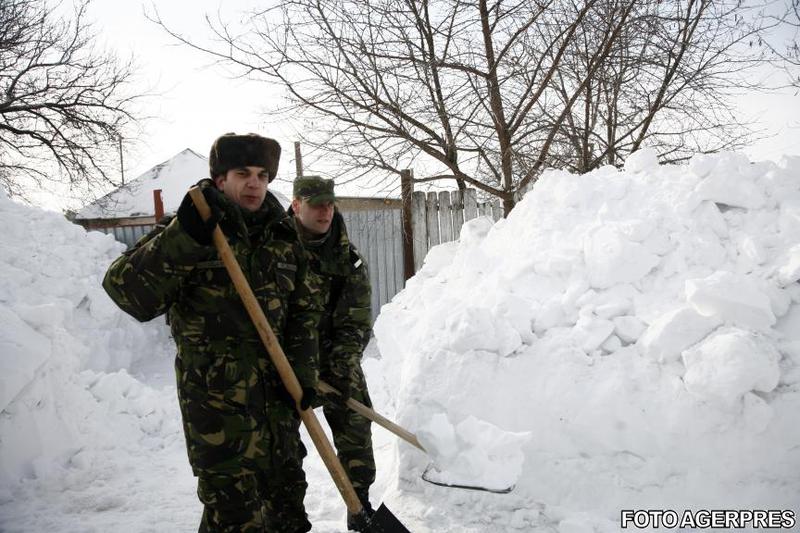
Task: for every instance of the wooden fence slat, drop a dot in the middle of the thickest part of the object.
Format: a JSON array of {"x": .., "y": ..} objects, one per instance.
[
  {"x": 445, "y": 217},
  {"x": 497, "y": 210},
  {"x": 420, "y": 231},
  {"x": 433, "y": 220},
  {"x": 384, "y": 242},
  {"x": 470, "y": 204},
  {"x": 485, "y": 209},
  {"x": 374, "y": 259},
  {"x": 457, "y": 204}
]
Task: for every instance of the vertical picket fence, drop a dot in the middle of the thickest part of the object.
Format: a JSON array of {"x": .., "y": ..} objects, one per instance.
[{"x": 437, "y": 217}]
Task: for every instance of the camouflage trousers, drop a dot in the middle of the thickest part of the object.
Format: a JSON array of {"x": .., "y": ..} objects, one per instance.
[
  {"x": 244, "y": 446},
  {"x": 352, "y": 434},
  {"x": 251, "y": 503},
  {"x": 267, "y": 495}
]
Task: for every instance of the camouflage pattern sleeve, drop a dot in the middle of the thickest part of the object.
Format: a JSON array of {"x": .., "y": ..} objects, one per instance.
[
  {"x": 301, "y": 336},
  {"x": 145, "y": 280},
  {"x": 352, "y": 324}
]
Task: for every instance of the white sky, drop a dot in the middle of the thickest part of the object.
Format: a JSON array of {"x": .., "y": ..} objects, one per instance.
[{"x": 198, "y": 101}]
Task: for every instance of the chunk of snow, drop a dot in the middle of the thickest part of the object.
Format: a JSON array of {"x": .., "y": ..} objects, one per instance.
[
  {"x": 732, "y": 298},
  {"x": 729, "y": 364},
  {"x": 675, "y": 331}
]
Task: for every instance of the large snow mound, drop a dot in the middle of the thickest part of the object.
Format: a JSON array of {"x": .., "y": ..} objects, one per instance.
[
  {"x": 643, "y": 325},
  {"x": 64, "y": 348}
]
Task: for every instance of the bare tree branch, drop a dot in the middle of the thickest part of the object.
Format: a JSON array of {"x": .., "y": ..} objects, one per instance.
[{"x": 63, "y": 106}]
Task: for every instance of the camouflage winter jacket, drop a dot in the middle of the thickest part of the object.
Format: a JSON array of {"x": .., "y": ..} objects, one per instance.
[
  {"x": 346, "y": 323},
  {"x": 167, "y": 271}
]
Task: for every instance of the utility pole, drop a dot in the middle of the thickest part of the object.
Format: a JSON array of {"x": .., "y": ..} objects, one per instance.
[
  {"x": 298, "y": 160},
  {"x": 121, "y": 162}
]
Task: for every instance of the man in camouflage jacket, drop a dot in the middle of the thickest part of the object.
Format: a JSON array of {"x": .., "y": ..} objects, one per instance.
[
  {"x": 240, "y": 424},
  {"x": 345, "y": 328}
]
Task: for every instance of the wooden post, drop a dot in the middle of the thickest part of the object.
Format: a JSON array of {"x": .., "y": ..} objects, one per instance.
[
  {"x": 298, "y": 160},
  {"x": 406, "y": 191},
  {"x": 158, "y": 204}
]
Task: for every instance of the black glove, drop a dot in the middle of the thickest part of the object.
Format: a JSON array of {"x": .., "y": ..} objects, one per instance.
[
  {"x": 189, "y": 218},
  {"x": 307, "y": 400}
]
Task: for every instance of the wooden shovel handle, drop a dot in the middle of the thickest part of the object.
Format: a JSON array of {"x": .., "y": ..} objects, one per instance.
[
  {"x": 366, "y": 412},
  {"x": 278, "y": 357}
]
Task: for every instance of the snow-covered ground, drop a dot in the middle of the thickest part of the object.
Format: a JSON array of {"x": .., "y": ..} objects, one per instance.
[{"x": 624, "y": 340}]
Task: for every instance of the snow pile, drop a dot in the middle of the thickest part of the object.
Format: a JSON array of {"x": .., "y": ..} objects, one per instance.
[
  {"x": 62, "y": 345},
  {"x": 643, "y": 325}
]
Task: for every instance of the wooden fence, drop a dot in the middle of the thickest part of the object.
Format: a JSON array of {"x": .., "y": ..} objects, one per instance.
[
  {"x": 378, "y": 236},
  {"x": 437, "y": 217}
]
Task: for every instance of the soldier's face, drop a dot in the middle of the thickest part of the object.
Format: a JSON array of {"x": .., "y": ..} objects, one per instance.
[
  {"x": 245, "y": 186},
  {"x": 316, "y": 219}
]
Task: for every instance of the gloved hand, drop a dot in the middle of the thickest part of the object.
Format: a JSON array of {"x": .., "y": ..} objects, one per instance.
[
  {"x": 307, "y": 400},
  {"x": 191, "y": 222},
  {"x": 309, "y": 397}
]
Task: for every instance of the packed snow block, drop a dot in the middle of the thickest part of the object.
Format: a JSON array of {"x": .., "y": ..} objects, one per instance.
[
  {"x": 729, "y": 364},
  {"x": 731, "y": 181},
  {"x": 472, "y": 328},
  {"x": 612, "y": 257},
  {"x": 641, "y": 160},
  {"x": 708, "y": 215},
  {"x": 789, "y": 269},
  {"x": 23, "y": 351},
  {"x": 590, "y": 332},
  {"x": 673, "y": 332},
  {"x": 628, "y": 328},
  {"x": 733, "y": 298}
]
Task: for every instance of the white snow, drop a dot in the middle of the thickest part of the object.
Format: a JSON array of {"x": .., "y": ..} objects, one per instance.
[
  {"x": 655, "y": 343},
  {"x": 731, "y": 297},
  {"x": 625, "y": 339}
]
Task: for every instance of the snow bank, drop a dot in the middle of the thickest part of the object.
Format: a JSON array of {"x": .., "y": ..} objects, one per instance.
[
  {"x": 62, "y": 345},
  {"x": 642, "y": 324}
]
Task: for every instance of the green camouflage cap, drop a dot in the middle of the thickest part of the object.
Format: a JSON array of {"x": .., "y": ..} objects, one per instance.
[{"x": 314, "y": 189}]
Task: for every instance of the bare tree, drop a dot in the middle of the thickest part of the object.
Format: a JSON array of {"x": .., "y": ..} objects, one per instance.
[
  {"x": 490, "y": 93},
  {"x": 785, "y": 47},
  {"x": 667, "y": 83},
  {"x": 64, "y": 106}
]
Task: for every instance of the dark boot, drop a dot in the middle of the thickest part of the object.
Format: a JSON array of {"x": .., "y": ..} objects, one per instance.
[{"x": 360, "y": 522}]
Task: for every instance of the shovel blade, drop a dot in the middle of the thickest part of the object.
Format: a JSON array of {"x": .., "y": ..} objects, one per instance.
[{"x": 383, "y": 521}]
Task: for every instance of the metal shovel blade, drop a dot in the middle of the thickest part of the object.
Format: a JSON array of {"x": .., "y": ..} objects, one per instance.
[
  {"x": 383, "y": 521},
  {"x": 429, "y": 476}
]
